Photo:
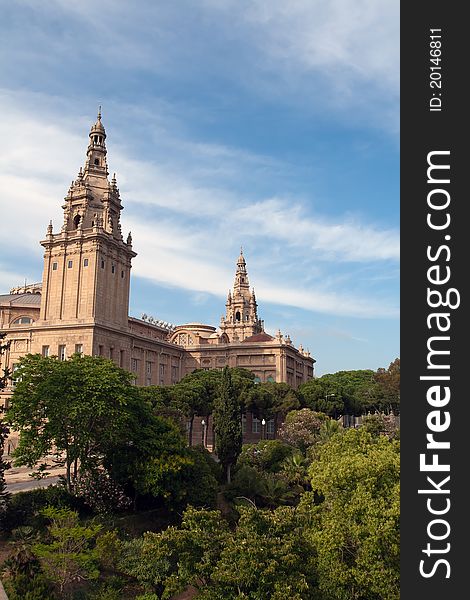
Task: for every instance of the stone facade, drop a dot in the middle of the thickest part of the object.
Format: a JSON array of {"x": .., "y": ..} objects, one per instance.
[{"x": 82, "y": 304}]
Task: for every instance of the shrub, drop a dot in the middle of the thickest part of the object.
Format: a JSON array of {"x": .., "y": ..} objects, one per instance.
[
  {"x": 24, "y": 508},
  {"x": 266, "y": 455},
  {"x": 100, "y": 493},
  {"x": 301, "y": 428},
  {"x": 25, "y": 587},
  {"x": 68, "y": 556},
  {"x": 202, "y": 478}
]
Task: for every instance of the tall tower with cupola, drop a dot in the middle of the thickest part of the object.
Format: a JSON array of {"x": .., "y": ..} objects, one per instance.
[
  {"x": 241, "y": 319},
  {"x": 87, "y": 263}
]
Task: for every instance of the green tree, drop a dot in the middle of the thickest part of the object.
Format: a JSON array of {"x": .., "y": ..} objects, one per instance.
[
  {"x": 4, "y": 431},
  {"x": 167, "y": 562},
  {"x": 227, "y": 424},
  {"x": 78, "y": 407},
  {"x": 271, "y": 400},
  {"x": 388, "y": 381},
  {"x": 266, "y": 455},
  {"x": 266, "y": 556},
  {"x": 355, "y": 530},
  {"x": 344, "y": 392},
  {"x": 69, "y": 555},
  {"x": 301, "y": 428}
]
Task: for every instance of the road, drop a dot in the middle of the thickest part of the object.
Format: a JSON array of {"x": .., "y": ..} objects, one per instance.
[{"x": 32, "y": 484}]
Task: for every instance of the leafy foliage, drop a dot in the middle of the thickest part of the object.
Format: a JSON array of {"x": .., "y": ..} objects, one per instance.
[
  {"x": 356, "y": 532},
  {"x": 266, "y": 556},
  {"x": 266, "y": 455},
  {"x": 354, "y": 392},
  {"x": 388, "y": 381},
  {"x": 167, "y": 562},
  {"x": 99, "y": 492},
  {"x": 76, "y": 407},
  {"x": 271, "y": 400},
  {"x": 24, "y": 508},
  {"x": 301, "y": 428},
  {"x": 4, "y": 431},
  {"x": 25, "y": 587},
  {"x": 69, "y": 555},
  {"x": 227, "y": 423}
]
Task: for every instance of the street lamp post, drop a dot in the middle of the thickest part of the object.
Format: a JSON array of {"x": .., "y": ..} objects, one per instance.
[
  {"x": 331, "y": 396},
  {"x": 263, "y": 424},
  {"x": 203, "y": 423}
]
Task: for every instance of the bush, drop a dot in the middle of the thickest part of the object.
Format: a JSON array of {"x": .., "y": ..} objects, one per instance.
[
  {"x": 24, "y": 507},
  {"x": 24, "y": 587},
  {"x": 111, "y": 589},
  {"x": 266, "y": 455},
  {"x": 100, "y": 493},
  {"x": 202, "y": 479}
]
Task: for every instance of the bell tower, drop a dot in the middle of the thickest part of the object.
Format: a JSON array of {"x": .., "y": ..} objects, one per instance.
[
  {"x": 241, "y": 318},
  {"x": 87, "y": 263}
]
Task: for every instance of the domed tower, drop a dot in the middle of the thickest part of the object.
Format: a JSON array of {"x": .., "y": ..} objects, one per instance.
[
  {"x": 87, "y": 263},
  {"x": 241, "y": 318}
]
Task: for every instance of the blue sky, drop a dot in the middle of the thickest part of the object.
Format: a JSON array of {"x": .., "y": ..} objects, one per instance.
[{"x": 272, "y": 125}]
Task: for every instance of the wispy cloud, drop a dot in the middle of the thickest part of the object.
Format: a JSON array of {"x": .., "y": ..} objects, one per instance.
[{"x": 336, "y": 57}]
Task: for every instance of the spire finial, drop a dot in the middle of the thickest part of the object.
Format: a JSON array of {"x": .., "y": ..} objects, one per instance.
[{"x": 99, "y": 112}]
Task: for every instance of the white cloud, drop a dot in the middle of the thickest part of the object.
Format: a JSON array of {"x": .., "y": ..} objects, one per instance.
[
  {"x": 338, "y": 57},
  {"x": 186, "y": 227}
]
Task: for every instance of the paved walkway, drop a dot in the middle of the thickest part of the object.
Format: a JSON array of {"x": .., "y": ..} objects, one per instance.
[{"x": 18, "y": 479}]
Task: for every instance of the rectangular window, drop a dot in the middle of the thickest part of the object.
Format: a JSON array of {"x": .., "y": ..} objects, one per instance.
[
  {"x": 148, "y": 367},
  {"x": 100, "y": 350},
  {"x": 113, "y": 269},
  {"x": 122, "y": 274},
  {"x": 102, "y": 264},
  {"x": 255, "y": 425},
  {"x": 134, "y": 364},
  {"x": 121, "y": 358},
  {"x": 162, "y": 370},
  {"x": 45, "y": 351},
  {"x": 111, "y": 353},
  {"x": 174, "y": 374},
  {"x": 54, "y": 266},
  {"x": 85, "y": 262},
  {"x": 62, "y": 353},
  {"x": 70, "y": 263},
  {"x": 148, "y": 381},
  {"x": 79, "y": 349},
  {"x": 270, "y": 426}
]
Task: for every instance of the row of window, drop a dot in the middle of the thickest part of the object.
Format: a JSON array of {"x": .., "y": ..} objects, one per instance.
[
  {"x": 55, "y": 266},
  {"x": 61, "y": 351},
  {"x": 256, "y": 425},
  {"x": 148, "y": 371}
]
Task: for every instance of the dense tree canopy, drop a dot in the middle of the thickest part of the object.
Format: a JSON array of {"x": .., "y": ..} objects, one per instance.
[
  {"x": 77, "y": 407},
  {"x": 356, "y": 529},
  {"x": 227, "y": 423},
  {"x": 4, "y": 431},
  {"x": 354, "y": 392}
]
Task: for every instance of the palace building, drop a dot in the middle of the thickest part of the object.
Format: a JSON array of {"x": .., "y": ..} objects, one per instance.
[{"x": 82, "y": 304}]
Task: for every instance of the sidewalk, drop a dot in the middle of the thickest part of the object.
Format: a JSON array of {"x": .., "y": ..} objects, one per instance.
[{"x": 19, "y": 474}]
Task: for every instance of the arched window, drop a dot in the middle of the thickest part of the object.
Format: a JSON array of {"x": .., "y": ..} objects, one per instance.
[
  {"x": 76, "y": 221},
  {"x": 270, "y": 379},
  {"x": 23, "y": 321},
  {"x": 238, "y": 316}
]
